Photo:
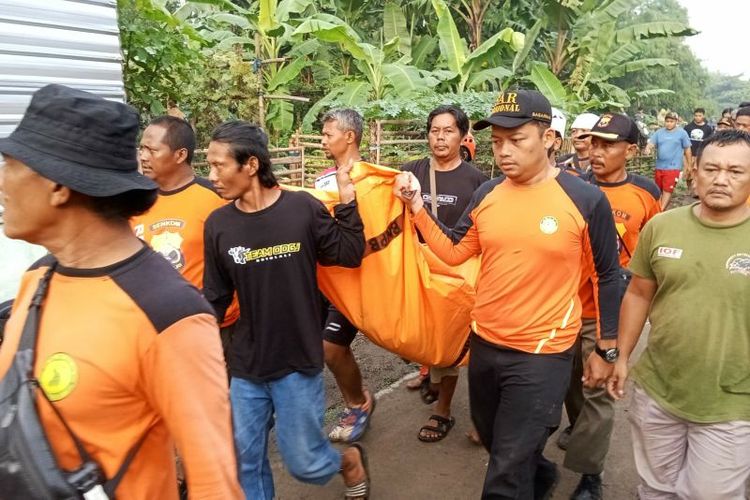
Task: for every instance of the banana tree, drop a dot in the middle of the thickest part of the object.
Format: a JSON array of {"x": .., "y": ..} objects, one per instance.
[
  {"x": 472, "y": 69},
  {"x": 382, "y": 70},
  {"x": 262, "y": 34}
]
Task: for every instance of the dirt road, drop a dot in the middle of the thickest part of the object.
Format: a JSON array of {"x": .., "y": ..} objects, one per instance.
[{"x": 403, "y": 468}]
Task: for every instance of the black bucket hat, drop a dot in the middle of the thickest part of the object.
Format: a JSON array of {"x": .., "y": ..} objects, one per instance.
[
  {"x": 79, "y": 140},
  {"x": 513, "y": 108}
]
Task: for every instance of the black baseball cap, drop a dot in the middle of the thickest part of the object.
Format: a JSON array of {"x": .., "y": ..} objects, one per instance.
[
  {"x": 614, "y": 127},
  {"x": 513, "y": 108}
]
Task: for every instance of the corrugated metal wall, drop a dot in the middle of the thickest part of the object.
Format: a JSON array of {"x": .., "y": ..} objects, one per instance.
[{"x": 72, "y": 42}]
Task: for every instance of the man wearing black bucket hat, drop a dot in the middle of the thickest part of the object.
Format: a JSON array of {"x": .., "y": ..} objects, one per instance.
[
  {"x": 538, "y": 231},
  {"x": 123, "y": 337}
]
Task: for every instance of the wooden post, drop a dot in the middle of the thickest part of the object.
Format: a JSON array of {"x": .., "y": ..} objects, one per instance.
[
  {"x": 377, "y": 142},
  {"x": 261, "y": 103},
  {"x": 302, "y": 158}
]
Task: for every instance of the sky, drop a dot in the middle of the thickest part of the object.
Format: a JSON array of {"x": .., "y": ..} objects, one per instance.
[{"x": 721, "y": 45}]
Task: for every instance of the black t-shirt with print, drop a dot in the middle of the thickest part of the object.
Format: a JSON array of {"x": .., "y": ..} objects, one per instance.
[
  {"x": 698, "y": 134},
  {"x": 454, "y": 187},
  {"x": 269, "y": 258}
]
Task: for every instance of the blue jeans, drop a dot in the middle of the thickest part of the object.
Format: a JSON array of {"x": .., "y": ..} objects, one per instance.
[{"x": 297, "y": 403}]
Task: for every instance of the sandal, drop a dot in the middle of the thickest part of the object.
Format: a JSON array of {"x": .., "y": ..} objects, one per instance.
[
  {"x": 443, "y": 427},
  {"x": 427, "y": 393},
  {"x": 359, "y": 491},
  {"x": 353, "y": 422}
]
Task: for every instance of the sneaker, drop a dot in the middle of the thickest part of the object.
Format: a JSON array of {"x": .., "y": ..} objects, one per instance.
[
  {"x": 564, "y": 438},
  {"x": 545, "y": 479},
  {"x": 589, "y": 488},
  {"x": 352, "y": 424}
]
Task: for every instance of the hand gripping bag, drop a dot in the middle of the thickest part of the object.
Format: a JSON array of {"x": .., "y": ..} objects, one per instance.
[{"x": 402, "y": 297}]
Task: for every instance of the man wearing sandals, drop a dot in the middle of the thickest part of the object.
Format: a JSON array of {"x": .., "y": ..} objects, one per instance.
[
  {"x": 538, "y": 231},
  {"x": 265, "y": 246},
  {"x": 342, "y": 136},
  {"x": 455, "y": 183}
]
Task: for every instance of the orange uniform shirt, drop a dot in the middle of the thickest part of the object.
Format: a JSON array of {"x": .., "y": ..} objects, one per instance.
[
  {"x": 533, "y": 240},
  {"x": 634, "y": 202},
  {"x": 126, "y": 351},
  {"x": 174, "y": 228}
]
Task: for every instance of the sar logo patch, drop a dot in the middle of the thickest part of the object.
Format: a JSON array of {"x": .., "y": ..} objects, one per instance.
[
  {"x": 739, "y": 264},
  {"x": 548, "y": 225},
  {"x": 59, "y": 376}
]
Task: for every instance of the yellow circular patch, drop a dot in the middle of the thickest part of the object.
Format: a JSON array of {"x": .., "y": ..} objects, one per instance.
[
  {"x": 59, "y": 376},
  {"x": 548, "y": 225}
]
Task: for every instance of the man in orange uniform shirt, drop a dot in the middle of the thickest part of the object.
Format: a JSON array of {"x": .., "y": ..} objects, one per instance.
[
  {"x": 634, "y": 200},
  {"x": 533, "y": 229},
  {"x": 174, "y": 225},
  {"x": 127, "y": 350}
]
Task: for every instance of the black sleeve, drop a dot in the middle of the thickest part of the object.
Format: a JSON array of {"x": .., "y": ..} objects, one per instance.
[
  {"x": 339, "y": 240},
  {"x": 603, "y": 238},
  {"x": 217, "y": 286}
]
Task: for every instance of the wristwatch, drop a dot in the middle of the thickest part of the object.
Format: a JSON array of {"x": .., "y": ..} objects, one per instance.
[{"x": 608, "y": 355}]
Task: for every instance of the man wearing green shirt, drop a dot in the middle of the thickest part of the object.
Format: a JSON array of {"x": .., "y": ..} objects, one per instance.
[{"x": 690, "y": 414}]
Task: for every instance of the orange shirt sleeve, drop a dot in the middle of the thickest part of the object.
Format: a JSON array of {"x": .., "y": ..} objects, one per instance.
[
  {"x": 450, "y": 252},
  {"x": 186, "y": 381}
]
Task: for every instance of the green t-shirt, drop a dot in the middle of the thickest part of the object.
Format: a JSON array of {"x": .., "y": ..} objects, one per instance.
[{"x": 697, "y": 362}]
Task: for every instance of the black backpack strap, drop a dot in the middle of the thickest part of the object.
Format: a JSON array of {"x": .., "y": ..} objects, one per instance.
[
  {"x": 31, "y": 326},
  {"x": 111, "y": 485}
]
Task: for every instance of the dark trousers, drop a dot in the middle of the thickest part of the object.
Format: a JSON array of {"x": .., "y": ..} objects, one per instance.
[{"x": 516, "y": 401}]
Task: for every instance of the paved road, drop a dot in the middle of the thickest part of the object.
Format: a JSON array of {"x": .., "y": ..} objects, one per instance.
[{"x": 403, "y": 468}]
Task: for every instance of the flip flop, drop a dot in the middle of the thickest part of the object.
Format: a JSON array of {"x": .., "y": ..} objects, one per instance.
[{"x": 360, "y": 491}]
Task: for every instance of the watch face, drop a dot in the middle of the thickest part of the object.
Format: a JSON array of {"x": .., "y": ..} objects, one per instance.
[{"x": 611, "y": 355}]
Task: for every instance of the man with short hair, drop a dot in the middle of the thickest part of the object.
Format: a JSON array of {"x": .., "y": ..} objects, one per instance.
[
  {"x": 742, "y": 119},
  {"x": 634, "y": 200},
  {"x": 123, "y": 337},
  {"x": 578, "y": 162},
  {"x": 699, "y": 130},
  {"x": 672, "y": 155},
  {"x": 342, "y": 136},
  {"x": 173, "y": 226},
  {"x": 265, "y": 246},
  {"x": 690, "y": 413},
  {"x": 455, "y": 181},
  {"x": 527, "y": 313}
]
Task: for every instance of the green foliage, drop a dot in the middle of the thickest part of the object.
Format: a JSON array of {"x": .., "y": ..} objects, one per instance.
[
  {"x": 224, "y": 91},
  {"x": 165, "y": 60},
  {"x": 159, "y": 55},
  {"x": 402, "y": 58}
]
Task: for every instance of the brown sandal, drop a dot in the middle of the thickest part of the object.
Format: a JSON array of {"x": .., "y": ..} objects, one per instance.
[{"x": 443, "y": 427}]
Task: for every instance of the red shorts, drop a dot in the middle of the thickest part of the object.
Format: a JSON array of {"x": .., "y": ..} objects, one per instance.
[{"x": 666, "y": 179}]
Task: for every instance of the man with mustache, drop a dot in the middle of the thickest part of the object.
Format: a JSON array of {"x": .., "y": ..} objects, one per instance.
[
  {"x": 634, "y": 200},
  {"x": 690, "y": 414}
]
